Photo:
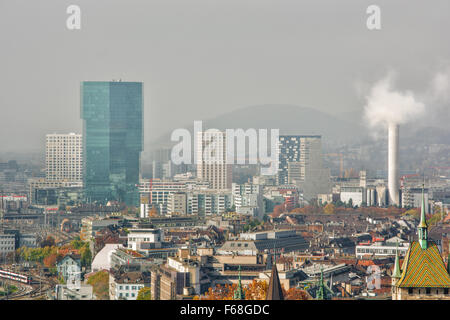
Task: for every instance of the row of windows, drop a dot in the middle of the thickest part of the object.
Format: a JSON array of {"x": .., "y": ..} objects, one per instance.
[
  {"x": 239, "y": 244},
  {"x": 126, "y": 295},
  {"x": 7, "y": 248},
  {"x": 121, "y": 287},
  {"x": 427, "y": 291}
]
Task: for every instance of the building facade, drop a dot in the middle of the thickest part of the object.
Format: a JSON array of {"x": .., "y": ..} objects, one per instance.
[
  {"x": 211, "y": 159},
  {"x": 64, "y": 157},
  {"x": 112, "y": 140}
]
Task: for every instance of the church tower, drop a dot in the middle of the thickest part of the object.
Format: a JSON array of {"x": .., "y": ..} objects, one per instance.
[
  {"x": 423, "y": 227},
  {"x": 239, "y": 292},
  {"x": 396, "y": 274},
  {"x": 423, "y": 274}
]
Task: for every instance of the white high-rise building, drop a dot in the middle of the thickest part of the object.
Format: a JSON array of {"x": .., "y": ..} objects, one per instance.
[
  {"x": 211, "y": 159},
  {"x": 64, "y": 157}
]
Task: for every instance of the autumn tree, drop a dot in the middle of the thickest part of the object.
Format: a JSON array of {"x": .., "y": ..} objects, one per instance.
[
  {"x": 100, "y": 284},
  {"x": 278, "y": 210},
  {"x": 295, "y": 294},
  {"x": 50, "y": 260},
  {"x": 153, "y": 212},
  {"x": 256, "y": 290},
  {"x": 220, "y": 292},
  {"x": 144, "y": 293},
  {"x": 329, "y": 208}
]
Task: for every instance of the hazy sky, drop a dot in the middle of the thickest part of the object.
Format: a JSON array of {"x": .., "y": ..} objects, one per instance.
[{"x": 201, "y": 58}]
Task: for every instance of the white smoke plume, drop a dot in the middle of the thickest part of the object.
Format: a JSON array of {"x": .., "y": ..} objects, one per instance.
[
  {"x": 387, "y": 105},
  {"x": 440, "y": 86}
]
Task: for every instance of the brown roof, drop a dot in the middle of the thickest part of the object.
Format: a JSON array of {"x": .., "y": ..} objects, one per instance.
[{"x": 275, "y": 292}]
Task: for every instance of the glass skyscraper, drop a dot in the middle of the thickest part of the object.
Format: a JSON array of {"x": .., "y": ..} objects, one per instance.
[{"x": 112, "y": 140}]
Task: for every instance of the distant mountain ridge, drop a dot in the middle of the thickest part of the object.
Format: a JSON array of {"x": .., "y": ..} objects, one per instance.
[{"x": 289, "y": 119}]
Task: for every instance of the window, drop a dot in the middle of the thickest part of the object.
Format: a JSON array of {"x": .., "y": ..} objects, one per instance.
[
  {"x": 410, "y": 290},
  {"x": 445, "y": 290},
  {"x": 428, "y": 290}
]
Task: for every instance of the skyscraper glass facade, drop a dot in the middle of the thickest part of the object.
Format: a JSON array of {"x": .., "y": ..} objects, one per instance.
[{"x": 112, "y": 140}]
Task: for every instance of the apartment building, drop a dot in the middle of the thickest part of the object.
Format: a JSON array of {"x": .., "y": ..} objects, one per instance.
[{"x": 64, "y": 157}]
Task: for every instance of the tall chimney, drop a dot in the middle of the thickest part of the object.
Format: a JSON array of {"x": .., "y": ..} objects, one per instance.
[{"x": 393, "y": 183}]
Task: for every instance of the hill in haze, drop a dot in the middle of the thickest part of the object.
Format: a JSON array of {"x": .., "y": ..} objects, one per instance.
[{"x": 289, "y": 119}]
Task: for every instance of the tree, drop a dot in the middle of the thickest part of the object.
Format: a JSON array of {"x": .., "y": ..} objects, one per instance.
[
  {"x": 256, "y": 290},
  {"x": 48, "y": 242},
  {"x": 412, "y": 212},
  {"x": 50, "y": 260},
  {"x": 86, "y": 256},
  {"x": 153, "y": 212},
  {"x": 278, "y": 210},
  {"x": 329, "y": 208},
  {"x": 100, "y": 284},
  {"x": 350, "y": 203},
  {"x": 77, "y": 244},
  {"x": 144, "y": 294},
  {"x": 295, "y": 294},
  {"x": 220, "y": 292}
]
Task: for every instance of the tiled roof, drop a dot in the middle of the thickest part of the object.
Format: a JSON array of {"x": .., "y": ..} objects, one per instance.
[{"x": 424, "y": 268}]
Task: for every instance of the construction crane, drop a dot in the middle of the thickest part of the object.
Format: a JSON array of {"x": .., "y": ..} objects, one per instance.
[{"x": 341, "y": 161}]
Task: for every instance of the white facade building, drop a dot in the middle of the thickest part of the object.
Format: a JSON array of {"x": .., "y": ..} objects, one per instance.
[
  {"x": 64, "y": 157},
  {"x": 143, "y": 239},
  {"x": 177, "y": 203},
  {"x": 211, "y": 159},
  {"x": 248, "y": 199},
  {"x": 354, "y": 193},
  {"x": 7, "y": 244}
]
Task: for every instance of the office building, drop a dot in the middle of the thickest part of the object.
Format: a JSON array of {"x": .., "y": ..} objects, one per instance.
[
  {"x": 112, "y": 140},
  {"x": 308, "y": 173}
]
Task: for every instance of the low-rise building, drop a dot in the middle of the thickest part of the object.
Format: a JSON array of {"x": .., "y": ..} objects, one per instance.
[
  {"x": 67, "y": 292},
  {"x": 68, "y": 265},
  {"x": 125, "y": 285},
  {"x": 145, "y": 239}
]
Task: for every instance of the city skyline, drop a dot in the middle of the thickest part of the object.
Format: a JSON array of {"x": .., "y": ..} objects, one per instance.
[
  {"x": 237, "y": 150},
  {"x": 220, "y": 68}
]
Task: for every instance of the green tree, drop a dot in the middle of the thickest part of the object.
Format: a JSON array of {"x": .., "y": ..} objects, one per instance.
[
  {"x": 144, "y": 294},
  {"x": 86, "y": 257}
]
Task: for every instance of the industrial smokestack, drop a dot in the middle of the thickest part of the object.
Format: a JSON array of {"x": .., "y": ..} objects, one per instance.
[{"x": 393, "y": 183}]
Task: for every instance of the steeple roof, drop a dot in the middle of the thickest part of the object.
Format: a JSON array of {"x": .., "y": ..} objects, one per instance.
[
  {"x": 397, "y": 272},
  {"x": 423, "y": 219},
  {"x": 275, "y": 292},
  {"x": 424, "y": 268}
]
